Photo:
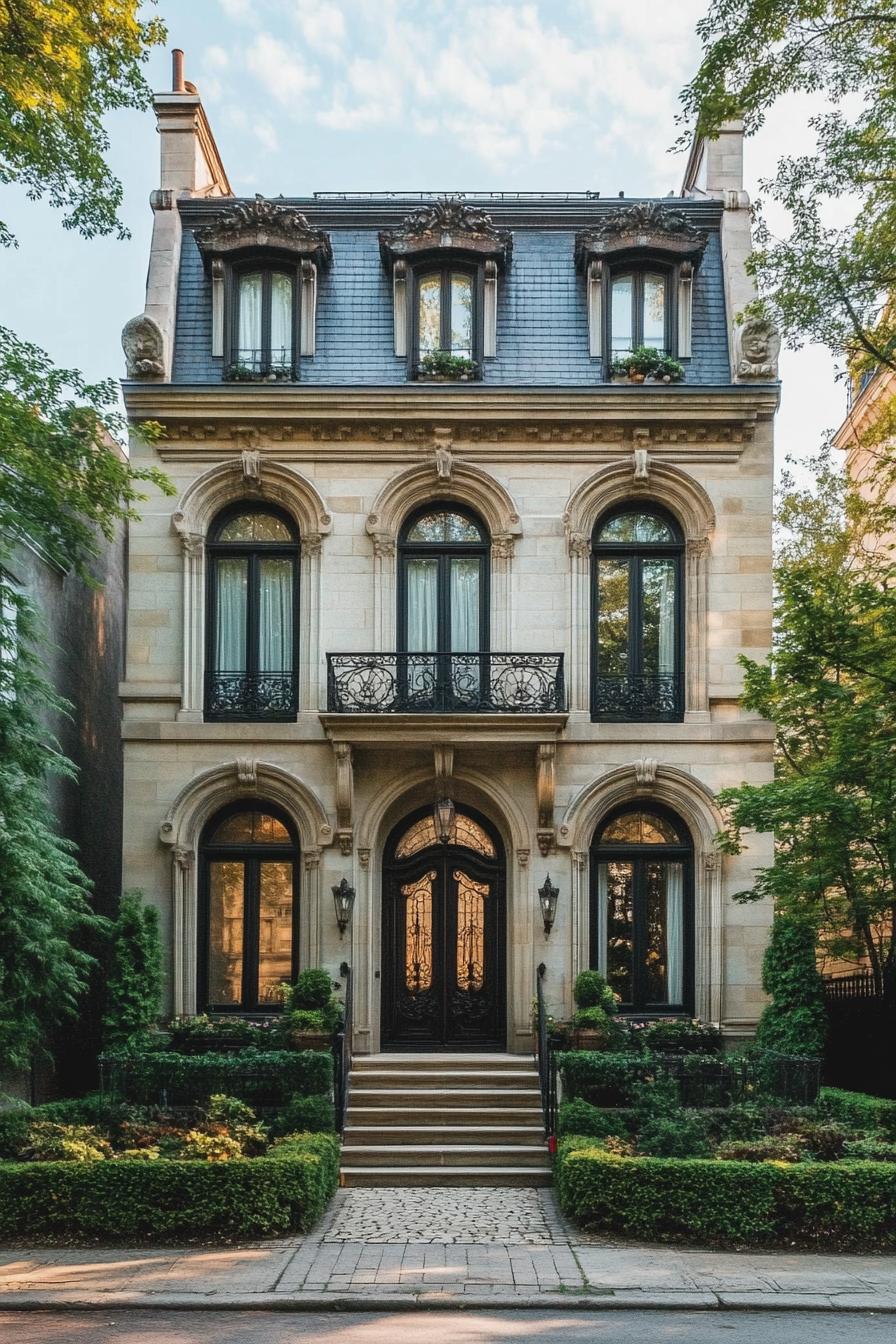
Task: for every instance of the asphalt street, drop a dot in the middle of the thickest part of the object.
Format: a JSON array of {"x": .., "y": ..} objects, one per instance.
[{"x": 437, "y": 1327}]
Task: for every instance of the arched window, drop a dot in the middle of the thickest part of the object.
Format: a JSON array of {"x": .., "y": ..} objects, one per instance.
[
  {"x": 642, "y": 908},
  {"x": 637, "y": 654},
  {"x": 263, "y": 323},
  {"x": 249, "y": 905},
  {"x": 252, "y": 656},
  {"x": 443, "y": 604}
]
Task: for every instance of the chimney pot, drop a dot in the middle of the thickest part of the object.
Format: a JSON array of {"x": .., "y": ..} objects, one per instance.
[{"x": 177, "y": 71}]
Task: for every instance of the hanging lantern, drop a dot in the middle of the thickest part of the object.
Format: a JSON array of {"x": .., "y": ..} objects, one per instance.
[
  {"x": 443, "y": 815},
  {"x": 344, "y": 899},
  {"x": 547, "y": 896}
]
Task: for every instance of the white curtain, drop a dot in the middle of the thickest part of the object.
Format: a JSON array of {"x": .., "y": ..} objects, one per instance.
[
  {"x": 667, "y": 620},
  {"x": 249, "y": 343},
  {"x": 281, "y": 319},
  {"x": 275, "y": 625},
  {"x": 674, "y": 932},
  {"x": 230, "y": 625},
  {"x": 422, "y": 605},
  {"x": 464, "y": 606}
]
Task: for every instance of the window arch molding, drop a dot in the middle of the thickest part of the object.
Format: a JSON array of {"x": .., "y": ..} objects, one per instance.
[
  {"x": 179, "y": 833},
  {"x": 680, "y": 495},
  {"x": 694, "y": 804},
  {"x": 252, "y": 479},
  {"x": 450, "y": 482}
]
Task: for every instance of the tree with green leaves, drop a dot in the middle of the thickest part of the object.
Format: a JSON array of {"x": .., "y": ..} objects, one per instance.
[
  {"x": 824, "y": 281},
  {"x": 64, "y": 66},
  {"x": 134, "y": 980},
  {"x": 794, "y": 1021},
  {"x": 830, "y": 686}
]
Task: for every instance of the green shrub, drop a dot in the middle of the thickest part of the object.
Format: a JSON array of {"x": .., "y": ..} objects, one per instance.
[
  {"x": 311, "y": 1114},
  {"x": 741, "y": 1203},
  {"x": 580, "y": 1117},
  {"x": 592, "y": 991},
  {"x": 49, "y": 1142},
  {"x": 195, "y": 1145},
  {"x": 824, "y": 1140},
  {"x": 795, "y": 1022},
  {"x": 869, "y": 1150},
  {"x": 746, "y": 1121},
  {"x": 768, "y": 1148},
  {"x": 859, "y": 1111},
  {"x": 262, "y": 1077},
  {"x": 604, "y": 1078},
  {"x": 306, "y": 1019},
  {"x": 682, "y": 1135},
  {"x": 193, "y": 1033},
  {"x": 134, "y": 981},
  {"x": 167, "y": 1201},
  {"x": 311, "y": 989},
  {"x": 681, "y": 1036}
]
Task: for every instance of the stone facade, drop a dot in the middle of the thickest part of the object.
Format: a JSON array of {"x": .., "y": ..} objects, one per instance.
[{"x": 538, "y": 457}]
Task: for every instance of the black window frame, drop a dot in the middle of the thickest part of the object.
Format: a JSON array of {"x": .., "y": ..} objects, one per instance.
[
  {"x": 445, "y": 267},
  {"x": 251, "y": 856},
  {"x": 637, "y": 552},
  {"x": 254, "y": 550},
  {"x": 638, "y": 269},
  {"x": 266, "y": 266},
  {"x": 444, "y": 551},
  {"x": 639, "y": 855}
]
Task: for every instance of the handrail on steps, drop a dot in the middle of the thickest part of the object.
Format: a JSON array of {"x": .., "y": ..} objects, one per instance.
[
  {"x": 342, "y": 1051},
  {"x": 547, "y": 1064}
]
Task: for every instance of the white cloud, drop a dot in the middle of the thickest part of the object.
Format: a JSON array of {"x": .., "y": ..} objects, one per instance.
[
  {"x": 215, "y": 58},
  {"x": 322, "y": 25},
  {"x": 281, "y": 70},
  {"x": 241, "y": 10},
  {"x": 266, "y": 135}
]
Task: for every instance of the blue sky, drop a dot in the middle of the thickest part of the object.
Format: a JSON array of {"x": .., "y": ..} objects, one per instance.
[{"x": 362, "y": 95}]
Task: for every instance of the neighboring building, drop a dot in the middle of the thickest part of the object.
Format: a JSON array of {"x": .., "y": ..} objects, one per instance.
[{"x": 519, "y": 594}]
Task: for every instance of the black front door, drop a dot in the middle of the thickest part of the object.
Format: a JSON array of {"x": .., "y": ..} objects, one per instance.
[{"x": 443, "y": 942}]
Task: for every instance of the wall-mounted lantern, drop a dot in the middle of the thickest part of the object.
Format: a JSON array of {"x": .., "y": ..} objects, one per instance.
[
  {"x": 547, "y": 896},
  {"x": 344, "y": 899},
  {"x": 444, "y": 816}
]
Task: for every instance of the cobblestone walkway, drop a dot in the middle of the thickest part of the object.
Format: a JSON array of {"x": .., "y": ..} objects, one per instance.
[{"x": 517, "y": 1217}]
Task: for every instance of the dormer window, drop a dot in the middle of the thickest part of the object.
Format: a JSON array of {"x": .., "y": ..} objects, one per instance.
[
  {"x": 639, "y": 311},
  {"x": 639, "y": 263},
  {"x": 264, "y": 260},
  {"x": 444, "y": 261},
  {"x": 263, "y": 324}
]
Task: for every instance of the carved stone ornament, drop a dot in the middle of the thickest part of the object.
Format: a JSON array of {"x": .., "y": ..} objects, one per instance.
[
  {"x": 645, "y": 771},
  {"x": 246, "y": 772},
  {"x": 444, "y": 462},
  {"x": 144, "y": 348},
  {"x": 641, "y": 462},
  {"x": 447, "y": 224},
  {"x": 642, "y": 226},
  {"x": 757, "y": 346},
  {"x": 250, "y": 463},
  {"x": 262, "y": 225}
]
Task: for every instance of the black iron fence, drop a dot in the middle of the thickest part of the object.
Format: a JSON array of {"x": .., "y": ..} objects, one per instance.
[
  {"x": 445, "y": 683},
  {"x": 861, "y": 1020},
  {"x": 627, "y": 699},
  {"x": 251, "y": 695},
  {"x": 342, "y": 1050}
]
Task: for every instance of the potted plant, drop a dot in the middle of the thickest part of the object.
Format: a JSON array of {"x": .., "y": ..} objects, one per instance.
[
  {"x": 593, "y": 1028},
  {"x": 440, "y": 366},
  {"x": 668, "y": 370},
  {"x": 312, "y": 1011}
]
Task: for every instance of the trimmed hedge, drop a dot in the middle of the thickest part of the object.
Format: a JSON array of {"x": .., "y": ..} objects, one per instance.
[
  {"x": 859, "y": 1110},
  {"x": 123, "y": 1200},
  {"x": 733, "y": 1203},
  {"x": 603, "y": 1078},
  {"x": 262, "y": 1077}
]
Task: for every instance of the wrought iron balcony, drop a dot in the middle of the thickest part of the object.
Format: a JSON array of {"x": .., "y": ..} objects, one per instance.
[
  {"x": 251, "y": 695},
  {"x": 445, "y": 683},
  {"x": 637, "y": 699}
]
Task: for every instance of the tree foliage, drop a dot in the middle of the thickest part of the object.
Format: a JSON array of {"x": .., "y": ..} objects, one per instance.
[
  {"x": 64, "y": 65},
  {"x": 830, "y": 686},
  {"x": 134, "y": 982},
  {"x": 826, "y": 281},
  {"x": 794, "y": 1022}
]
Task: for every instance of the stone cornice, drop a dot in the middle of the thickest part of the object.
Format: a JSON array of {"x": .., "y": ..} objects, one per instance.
[
  {"x": 644, "y": 226},
  {"x": 690, "y": 422},
  {"x": 260, "y": 225},
  {"x": 447, "y": 225}
]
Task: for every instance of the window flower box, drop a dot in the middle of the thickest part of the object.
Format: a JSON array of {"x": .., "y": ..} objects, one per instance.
[
  {"x": 442, "y": 367},
  {"x": 244, "y": 373}
]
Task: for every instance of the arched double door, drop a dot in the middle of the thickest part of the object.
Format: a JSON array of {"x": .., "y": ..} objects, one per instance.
[{"x": 443, "y": 947}]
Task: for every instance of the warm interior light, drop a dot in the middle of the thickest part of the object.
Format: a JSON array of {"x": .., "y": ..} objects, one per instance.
[{"x": 444, "y": 815}]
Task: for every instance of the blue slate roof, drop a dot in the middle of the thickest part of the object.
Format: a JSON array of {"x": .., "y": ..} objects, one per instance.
[{"x": 542, "y": 317}]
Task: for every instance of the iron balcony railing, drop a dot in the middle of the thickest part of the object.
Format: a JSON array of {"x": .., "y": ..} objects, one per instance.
[
  {"x": 633, "y": 698},
  {"x": 445, "y": 683},
  {"x": 251, "y": 695}
]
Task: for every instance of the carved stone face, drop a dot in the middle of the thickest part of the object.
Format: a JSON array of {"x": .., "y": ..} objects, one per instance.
[{"x": 756, "y": 342}]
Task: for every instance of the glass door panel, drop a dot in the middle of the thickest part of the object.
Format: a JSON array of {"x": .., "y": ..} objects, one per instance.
[
  {"x": 226, "y": 933},
  {"x": 275, "y": 615},
  {"x": 658, "y": 618},
  {"x": 275, "y": 923},
  {"x": 462, "y": 315},
  {"x": 613, "y": 617},
  {"x": 618, "y": 883}
]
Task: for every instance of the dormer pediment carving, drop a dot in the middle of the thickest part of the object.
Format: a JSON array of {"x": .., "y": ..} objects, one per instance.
[
  {"x": 263, "y": 226},
  {"x": 644, "y": 226},
  {"x": 447, "y": 225}
]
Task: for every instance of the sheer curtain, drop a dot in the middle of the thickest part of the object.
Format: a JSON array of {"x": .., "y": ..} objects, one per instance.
[
  {"x": 281, "y": 319},
  {"x": 230, "y": 623},
  {"x": 249, "y": 343},
  {"x": 464, "y": 594},
  {"x": 674, "y": 931},
  {"x": 275, "y": 616},
  {"x": 422, "y": 624}
]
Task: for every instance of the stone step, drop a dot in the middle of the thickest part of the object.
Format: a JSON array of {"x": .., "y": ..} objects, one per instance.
[
  {"x": 400, "y": 1099},
  {"x": 423, "y": 1078},
  {"x": 529, "y": 1116},
  {"x": 357, "y": 1135},
  {"x": 435, "y": 1156},
  {"x": 474, "y": 1177},
  {"x": 446, "y": 1063}
]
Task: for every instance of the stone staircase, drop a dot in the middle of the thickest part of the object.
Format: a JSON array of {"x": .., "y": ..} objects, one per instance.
[{"x": 444, "y": 1120}]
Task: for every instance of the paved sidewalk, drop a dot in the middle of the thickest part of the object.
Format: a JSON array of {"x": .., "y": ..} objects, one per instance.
[{"x": 407, "y": 1248}]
